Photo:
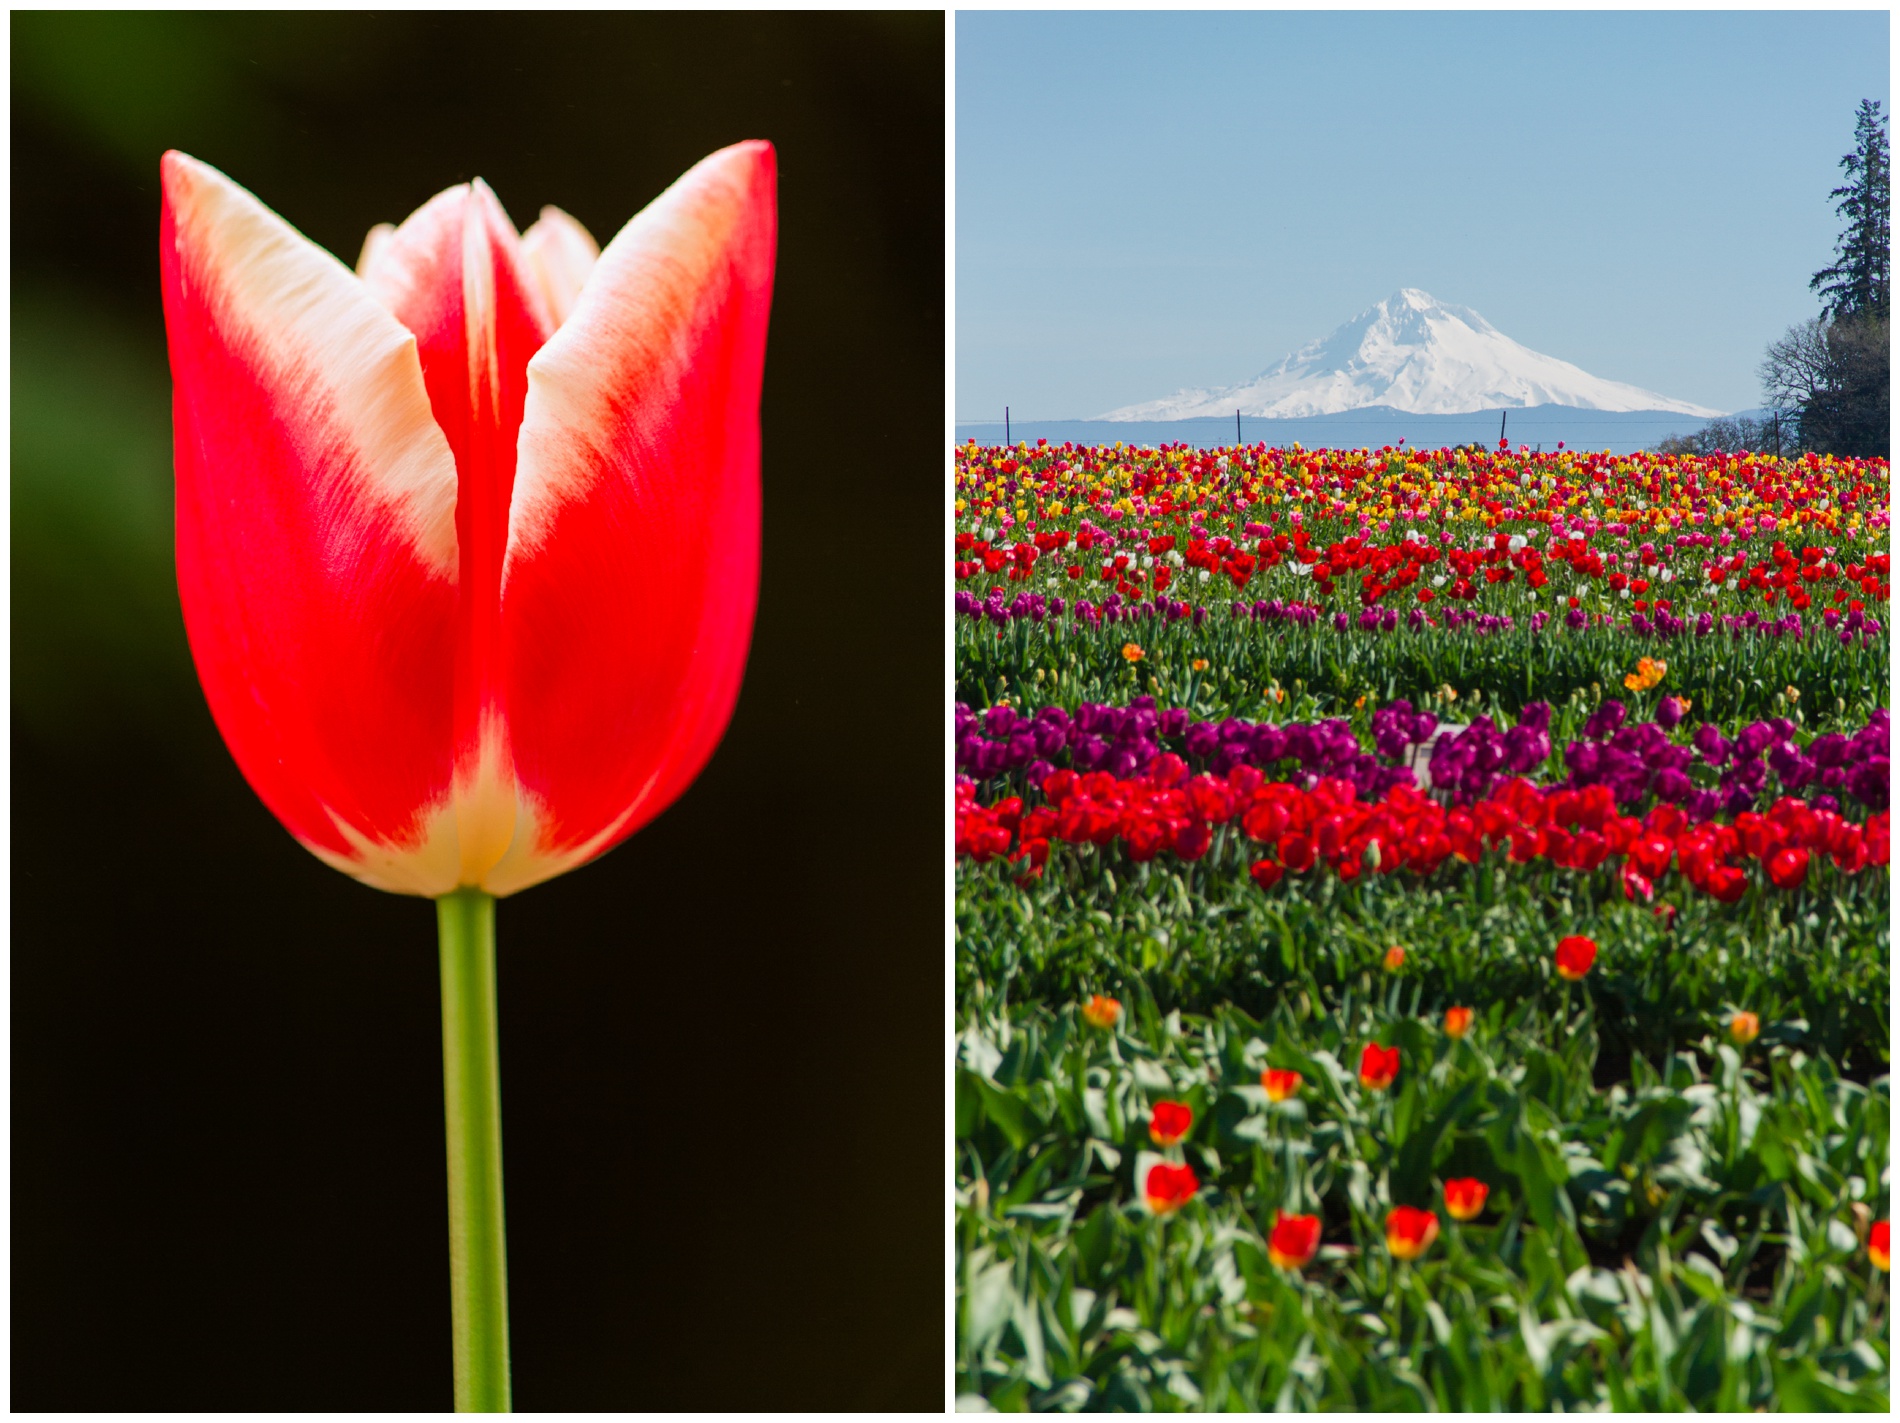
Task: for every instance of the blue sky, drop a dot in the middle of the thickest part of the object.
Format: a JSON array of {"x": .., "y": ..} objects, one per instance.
[{"x": 1147, "y": 202}]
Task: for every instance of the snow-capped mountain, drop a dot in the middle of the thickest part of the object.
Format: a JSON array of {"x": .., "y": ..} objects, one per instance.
[{"x": 1414, "y": 353}]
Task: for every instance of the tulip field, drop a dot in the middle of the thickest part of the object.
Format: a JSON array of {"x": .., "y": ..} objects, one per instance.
[{"x": 1422, "y": 929}]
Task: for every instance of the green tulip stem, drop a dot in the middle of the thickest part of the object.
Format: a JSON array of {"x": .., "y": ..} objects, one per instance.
[{"x": 471, "y": 1091}]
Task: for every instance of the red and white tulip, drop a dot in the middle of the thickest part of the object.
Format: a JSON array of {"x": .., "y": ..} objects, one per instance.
[{"x": 468, "y": 539}]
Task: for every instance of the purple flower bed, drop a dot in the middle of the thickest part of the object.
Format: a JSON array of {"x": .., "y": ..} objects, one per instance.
[
  {"x": 1125, "y": 741},
  {"x": 1637, "y": 761}
]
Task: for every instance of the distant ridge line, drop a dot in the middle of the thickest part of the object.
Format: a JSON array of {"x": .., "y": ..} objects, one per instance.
[{"x": 1619, "y": 431}]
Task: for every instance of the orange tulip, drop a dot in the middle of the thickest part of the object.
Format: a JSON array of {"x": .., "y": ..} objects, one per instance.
[
  {"x": 1394, "y": 959},
  {"x": 1457, "y": 1022},
  {"x": 1281, "y": 1083},
  {"x": 1744, "y": 1028},
  {"x": 1100, "y": 1012}
]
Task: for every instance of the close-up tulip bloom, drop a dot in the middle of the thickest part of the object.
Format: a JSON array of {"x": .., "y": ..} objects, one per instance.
[
  {"x": 1378, "y": 1066},
  {"x": 1457, "y": 1022},
  {"x": 1409, "y": 1232},
  {"x": 1281, "y": 1083},
  {"x": 1169, "y": 1187},
  {"x": 468, "y": 549},
  {"x": 1169, "y": 1122},
  {"x": 1102, "y": 1012},
  {"x": 1465, "y": 1197},
  {"x": 1294, "y": 1240},
  {"x": 468, "y": 539},
  {"x": 1879, "y": 1240},
  {"x": 1788, "y": 867},
  {"x": 1575, "y": 955}
]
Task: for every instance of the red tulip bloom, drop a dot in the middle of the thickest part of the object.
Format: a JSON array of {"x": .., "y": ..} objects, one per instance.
[
  {"x": 1294, "y": 1240},
  {"x": 1574, "y": 956},
  {"x": 1378, "y": 1066},
  {"x": 1297, "y": 852},
  {"x": 1169, "y": 1187},
  {"x": 1409, "y": 1232},
  {"x": 1170, "y": 1122},
  {"x": 1788, "y": 869},
  {"x": 1394, "y": 959},
  {"x": 1726, "y": 883},
  {"x": 468, "y": 540},
  {"x": 1464, "y": 1198},
  {"x": 1281, "y": 1083},
  {"x": 1877, "y": 1245}
]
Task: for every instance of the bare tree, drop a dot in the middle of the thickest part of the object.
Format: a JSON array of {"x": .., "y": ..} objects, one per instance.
[
  {"x": 1828, "y": 380},
  {"x": 1797, "y": 368}
]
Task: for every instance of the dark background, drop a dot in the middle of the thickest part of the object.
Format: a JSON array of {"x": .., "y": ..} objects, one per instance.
[{"x": 721, "y": 1043}]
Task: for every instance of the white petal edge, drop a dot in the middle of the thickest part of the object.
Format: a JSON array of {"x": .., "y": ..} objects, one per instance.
[
  {"x": 325, "y": 343},
  {"x": 561, "y": 254}
]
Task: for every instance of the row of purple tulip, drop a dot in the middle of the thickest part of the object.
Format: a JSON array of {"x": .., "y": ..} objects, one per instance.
[{"x": 1637, "y": 761}]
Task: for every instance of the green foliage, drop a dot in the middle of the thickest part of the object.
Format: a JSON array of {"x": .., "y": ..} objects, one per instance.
[
  {"x": 1329, "y": 671},
  {"x": 1202, "y": 934},
  {"x": 1691, "y": 1239}
]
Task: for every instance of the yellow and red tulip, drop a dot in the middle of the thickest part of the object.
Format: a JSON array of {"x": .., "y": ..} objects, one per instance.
[
  {"x": 1293, "y": 1241},
  {"x": 468, "y": 540},
  {"x": 1575, "y": 955},
  {"x": 1465, "y": 1197},
  {"x": 1169, "y": 1186},
  {"x": 1169, "y": 1122},
  {"x": 1378, "y": 1066},
  {"x": 1281, "y": 1083},
  {"x": 1102, "y": 1012},
  {"x": 1409, "y": 1232}
]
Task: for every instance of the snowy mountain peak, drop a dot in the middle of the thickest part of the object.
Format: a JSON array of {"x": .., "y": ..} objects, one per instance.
[{"x": 1415, "y": 353}]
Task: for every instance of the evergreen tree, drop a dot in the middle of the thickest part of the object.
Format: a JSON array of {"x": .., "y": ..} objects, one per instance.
[
  {"x": 1856, "y": 284},
  {"x": 1828, "y": 378}
]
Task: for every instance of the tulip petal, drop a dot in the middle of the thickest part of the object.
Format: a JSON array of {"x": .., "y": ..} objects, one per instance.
[
  {"x": 561, "y": 253},
  {"x": 374, "y": 242},
  {"x": 633, "y": 553},
  {"x": 316, "y": 534},
  {"x": 455, "y": 275}
]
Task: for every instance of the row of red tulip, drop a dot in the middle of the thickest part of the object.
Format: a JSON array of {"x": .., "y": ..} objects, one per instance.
[
  {"x": 1797, "y": 574},
  {"x": 1578, "y": 830}
]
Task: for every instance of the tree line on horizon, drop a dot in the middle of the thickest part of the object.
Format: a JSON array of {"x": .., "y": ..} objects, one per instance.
[{"x": 1825, "y": 380}]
